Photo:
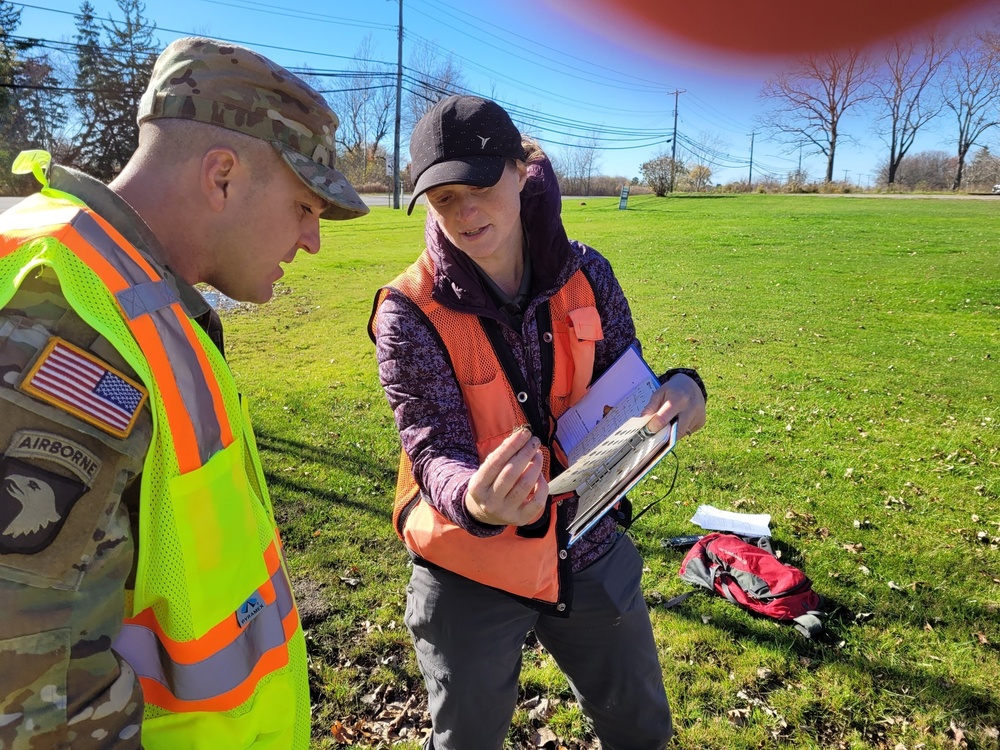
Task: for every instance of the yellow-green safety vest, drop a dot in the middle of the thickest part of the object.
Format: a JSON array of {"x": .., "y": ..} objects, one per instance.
[{"x": 213, "y": 632}]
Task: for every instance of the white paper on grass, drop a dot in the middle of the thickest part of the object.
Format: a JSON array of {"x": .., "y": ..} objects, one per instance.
[{"x": 743, "y": 524}]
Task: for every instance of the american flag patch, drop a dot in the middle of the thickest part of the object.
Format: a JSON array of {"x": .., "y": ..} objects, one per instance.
[{"x": 78, "y": 382}]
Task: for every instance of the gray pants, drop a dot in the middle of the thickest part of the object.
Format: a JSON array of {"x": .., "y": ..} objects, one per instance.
[{"x": 468, "y": 641}]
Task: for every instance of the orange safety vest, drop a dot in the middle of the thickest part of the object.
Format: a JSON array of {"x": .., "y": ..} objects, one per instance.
[
  {"x": 214, "y": 635},
  {"x": 530, "y": 562}
]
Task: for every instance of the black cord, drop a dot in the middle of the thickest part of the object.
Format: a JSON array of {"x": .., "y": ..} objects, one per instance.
[{"x": 670, "y": 489}]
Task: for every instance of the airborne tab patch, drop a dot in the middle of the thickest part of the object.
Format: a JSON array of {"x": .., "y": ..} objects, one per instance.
[
  {"x": 77, "y": 381},
  {"x": 47, "y": 446}
]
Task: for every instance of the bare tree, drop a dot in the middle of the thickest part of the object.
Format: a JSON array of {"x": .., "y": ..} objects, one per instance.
[
  {"x": 431, "y": 78},
  {"x": 971, "y": 90},
  {"x": 905, "y": 95},
  {"x": 812, "y": 98},
  {"x": 364, "y": 103},
  {"x": 924, "y": 170},
  {"x": 699, "y": 177},
  {"x": 578, "y": 165}
]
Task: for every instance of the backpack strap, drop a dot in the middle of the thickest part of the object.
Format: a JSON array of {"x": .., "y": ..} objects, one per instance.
[{"x": 808, "y": 625}]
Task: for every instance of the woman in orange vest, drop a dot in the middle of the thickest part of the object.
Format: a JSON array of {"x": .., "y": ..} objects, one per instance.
[{"x": 501, "y": 324}]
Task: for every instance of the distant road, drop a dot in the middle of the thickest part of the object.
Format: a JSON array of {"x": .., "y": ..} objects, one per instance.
[
  {"x": 384, "y": 200},
  {"x": 371, "y": 200}
]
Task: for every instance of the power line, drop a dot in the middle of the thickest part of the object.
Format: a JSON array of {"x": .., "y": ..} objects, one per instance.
[
  {"x": 536, "y": 45},
  {"x": 533, "y": 59}
]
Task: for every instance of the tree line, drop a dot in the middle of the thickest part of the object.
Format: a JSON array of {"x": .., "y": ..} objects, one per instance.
[
  {"x": 911, "y": 83},
  {"x": 80, "y": 107}
]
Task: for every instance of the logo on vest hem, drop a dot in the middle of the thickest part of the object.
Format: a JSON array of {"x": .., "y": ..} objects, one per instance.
[{"x": 249, "y": 609}]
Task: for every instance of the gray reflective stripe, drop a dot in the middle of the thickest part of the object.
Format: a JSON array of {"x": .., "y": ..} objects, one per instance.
[
  {"x": 191, "y": 379},
  {"x": 221, "y": 672},
  {"x": 143, "y": 299}
]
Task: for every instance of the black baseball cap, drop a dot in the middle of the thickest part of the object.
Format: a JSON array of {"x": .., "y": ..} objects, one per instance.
[{"x": 462, "y": 140}]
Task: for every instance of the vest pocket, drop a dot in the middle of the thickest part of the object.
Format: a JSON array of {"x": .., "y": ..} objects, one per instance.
[
  {"x": 577, "y": 336},
  {"x": 216, "y": 526},
  {"x": 489, "y": 410}
]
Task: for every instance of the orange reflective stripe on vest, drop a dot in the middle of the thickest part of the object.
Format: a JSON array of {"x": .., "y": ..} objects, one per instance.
[
  {"x": 189, "y": 394},
  {"x": 524, "y": 562},
  {"x": 220, "y": 670}
]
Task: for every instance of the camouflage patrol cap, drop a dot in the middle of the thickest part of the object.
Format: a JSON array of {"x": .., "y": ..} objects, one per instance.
[{"x": 235, "y": 88}]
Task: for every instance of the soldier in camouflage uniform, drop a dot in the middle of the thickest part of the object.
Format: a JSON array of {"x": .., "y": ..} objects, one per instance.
[{"x": 68, "y": 489}]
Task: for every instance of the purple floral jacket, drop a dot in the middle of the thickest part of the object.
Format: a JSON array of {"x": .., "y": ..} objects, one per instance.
[{"x": 430, "y": 413}]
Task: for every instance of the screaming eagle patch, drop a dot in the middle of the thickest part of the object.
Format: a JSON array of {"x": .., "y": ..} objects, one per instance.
[{"x": 34, "y": 504}]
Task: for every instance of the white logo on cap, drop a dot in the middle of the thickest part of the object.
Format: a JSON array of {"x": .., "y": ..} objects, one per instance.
[{"x": 483, "y": 140}]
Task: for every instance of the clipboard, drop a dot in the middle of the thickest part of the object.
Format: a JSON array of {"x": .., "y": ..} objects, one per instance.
[
  {"x": 635, "y": 454},
  {"x": 606, "y": 442}
]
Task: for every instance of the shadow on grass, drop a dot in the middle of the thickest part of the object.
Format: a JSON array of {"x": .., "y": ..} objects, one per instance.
[
  {"x": 306, "y": 502},
  {"x": 843, "y": 626},
  {"x": 901, "y": 679},
  {"x": 702, "y": 196}
]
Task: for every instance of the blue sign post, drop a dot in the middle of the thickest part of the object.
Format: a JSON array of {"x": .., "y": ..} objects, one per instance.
[{"x": 623, "y": 201}]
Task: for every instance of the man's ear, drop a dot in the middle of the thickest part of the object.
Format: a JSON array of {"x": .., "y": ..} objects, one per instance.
[{"x": 218, "y": 168}]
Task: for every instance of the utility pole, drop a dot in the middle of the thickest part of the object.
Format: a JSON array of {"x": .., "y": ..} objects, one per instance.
[
  {"x": 673, "y": 142},
  {"x": 397, "y": 183},
  {"x": 750, "y": 177}
]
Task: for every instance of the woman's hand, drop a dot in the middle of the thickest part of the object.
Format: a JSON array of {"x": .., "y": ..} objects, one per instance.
[
  {"x": 509, "y": 489},
  {"x": 679, "y": 398}
]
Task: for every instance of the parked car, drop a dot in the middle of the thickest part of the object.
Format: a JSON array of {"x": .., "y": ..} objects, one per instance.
[{"x": 996, "y": 190}]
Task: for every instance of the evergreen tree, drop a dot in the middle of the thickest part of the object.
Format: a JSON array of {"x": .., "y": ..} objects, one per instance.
[
  {"x": 41, "y": 108},
  {"x": 89, "y": 85},
  {"x": 110, "y": 80},
  {"x": 10, "y": 19}
]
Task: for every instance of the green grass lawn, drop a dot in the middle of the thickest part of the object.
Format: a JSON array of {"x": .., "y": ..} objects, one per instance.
[{"x": 850, "y": 347}]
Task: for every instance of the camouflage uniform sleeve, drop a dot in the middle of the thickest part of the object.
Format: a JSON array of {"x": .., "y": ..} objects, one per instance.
[{"x": 66, "y": 548}]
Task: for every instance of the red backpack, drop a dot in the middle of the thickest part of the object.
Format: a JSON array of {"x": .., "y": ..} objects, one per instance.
[{"x": 755, "y": 579}]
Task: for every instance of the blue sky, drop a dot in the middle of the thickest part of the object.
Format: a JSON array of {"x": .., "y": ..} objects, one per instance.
[{"x": 562, "y": 75}]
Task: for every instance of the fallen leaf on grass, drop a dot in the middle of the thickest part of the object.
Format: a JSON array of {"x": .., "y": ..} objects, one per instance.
[
  {"x": 957, "y": 735},
  {"x": 983, "y": 640},
  {"x": 545, "y": 736},
  {"x": 855, "y": 548},
  {"x": 805, "y": 517},
  {"x": 340, "y": 733},
  {"x": 541, "y": 712},
  {"x": 352, "y": 582},
  {"x": 739, "y": 716}
]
